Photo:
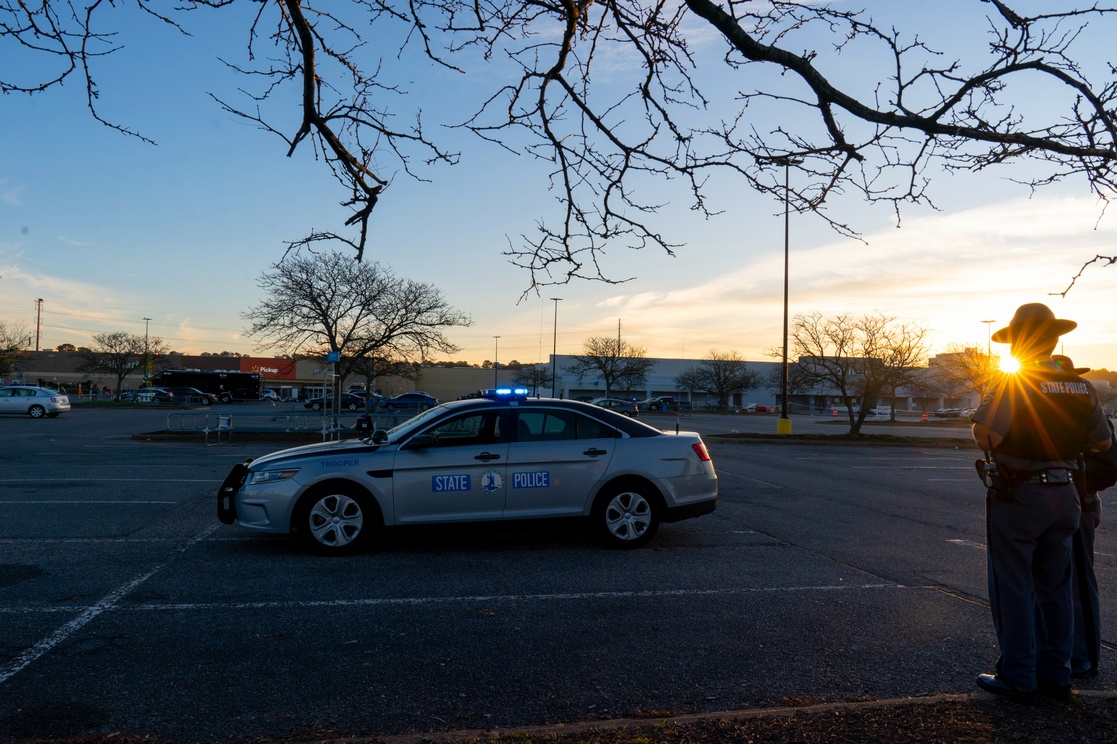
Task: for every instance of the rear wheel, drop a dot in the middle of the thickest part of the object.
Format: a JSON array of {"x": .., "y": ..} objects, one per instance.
[
  {"x": 627, "y": 516},
  {"x": 316, "y": 406},
  {"x": 37, "y": 411},
  {"x": 339, "y": 519}
]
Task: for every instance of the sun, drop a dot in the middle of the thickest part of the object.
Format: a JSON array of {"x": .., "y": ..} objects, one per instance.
[{"x": 1009, "y": 364}]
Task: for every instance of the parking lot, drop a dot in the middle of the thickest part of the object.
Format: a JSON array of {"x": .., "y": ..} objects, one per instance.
[{"x": 827, "y": 573}]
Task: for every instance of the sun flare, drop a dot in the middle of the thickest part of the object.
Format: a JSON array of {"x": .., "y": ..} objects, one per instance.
[{"x": 1009, "y": 364}]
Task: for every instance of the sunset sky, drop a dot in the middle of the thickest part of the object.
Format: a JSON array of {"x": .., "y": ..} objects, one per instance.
[{"x": 108, "y": 230}]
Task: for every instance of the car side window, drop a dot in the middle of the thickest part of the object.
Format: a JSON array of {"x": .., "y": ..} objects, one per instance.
[
  {"x": 468, "y": 430},
  {"x": 559, "y": 426},
  {"x": 6, "y": 393}
]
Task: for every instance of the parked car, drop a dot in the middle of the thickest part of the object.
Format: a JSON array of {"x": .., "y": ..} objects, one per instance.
[
  {"x": 659, "y": 403},
  {"x": 35, "y": 402},
  {"x": 502, "y": 458},
  {"x": 627, "y": 407},
  {"x": 269, "y": 394},
  {"x": 416, "y": 401},
  {"x": 191, "y": 396},
  {"x": 348, "y": 403},
  {"x": 948, "y": 412},
  {"x": 147, "y": 395}
]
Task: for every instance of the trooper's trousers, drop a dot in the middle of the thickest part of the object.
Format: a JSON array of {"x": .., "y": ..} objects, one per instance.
[
  {"x": 1029, "y": 541},
  {"x": 1087, "y": 607}
]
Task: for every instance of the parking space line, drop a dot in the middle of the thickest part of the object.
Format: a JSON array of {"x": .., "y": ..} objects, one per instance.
[
  {"x": 108, "y": 602},
  {"x": 481, "y": 598},
  {"x": 129, "y": 503}
]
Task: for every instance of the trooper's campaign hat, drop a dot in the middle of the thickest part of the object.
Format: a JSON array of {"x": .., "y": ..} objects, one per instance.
[
  {"x": 1033, "y": 320},
  {"x": 1067, "y": 364}
]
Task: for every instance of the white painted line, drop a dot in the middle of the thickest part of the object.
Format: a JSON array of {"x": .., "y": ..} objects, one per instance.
[
  {"x": 110, "y": 480},
  {"x": 49, "y": 503},
  {"x": 968, "y": 544},
  {"x": 107, "y": 602},
  {"x": 483, "y": 598}
]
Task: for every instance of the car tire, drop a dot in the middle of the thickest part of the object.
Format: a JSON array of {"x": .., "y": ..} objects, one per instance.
[
  {"x": 36, "y": 412},
  {"x": 338, "y": 519},
  {"x": 627, "y": 515},
  {"x": 352, "y": 406},
  {"x": 225, "y": 398},
  {"x": 316, "y": 406}
]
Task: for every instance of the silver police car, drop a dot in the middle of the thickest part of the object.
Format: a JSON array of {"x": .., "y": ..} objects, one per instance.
[{"x": 500, "y": 457}]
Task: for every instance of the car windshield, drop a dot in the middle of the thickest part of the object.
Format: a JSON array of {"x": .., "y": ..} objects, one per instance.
[{"x": 417, "y": 420}]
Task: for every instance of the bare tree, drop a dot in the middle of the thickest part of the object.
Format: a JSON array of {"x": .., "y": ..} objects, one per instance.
[
  {"x": 371, "y": 367},
  {"x": 618, "y": 363},
  {"x": 14, "y": 339},
  {"x": 721, "y": 374},
  {"x": 965, "y": 369},
  {"x": 533, "y": 376},
  {"x": 120, "y": 354},
  {"x": 318, "y": 303},
  {"x": 852, "y": 355},
  {"x": 880, "y": 133}
]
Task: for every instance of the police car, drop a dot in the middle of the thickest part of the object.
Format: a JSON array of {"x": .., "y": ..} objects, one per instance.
[{"x": 501, "y": 457}]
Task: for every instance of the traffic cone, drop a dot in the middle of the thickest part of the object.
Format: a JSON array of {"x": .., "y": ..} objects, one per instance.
[
  {"x": 924, "y": 415},
  {"x": 835, "y": 412}
]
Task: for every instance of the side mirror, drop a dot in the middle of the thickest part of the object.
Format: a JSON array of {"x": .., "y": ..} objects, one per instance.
[
  {"x": 379, "y": 436},
  {"x": 422, "y": 441}
]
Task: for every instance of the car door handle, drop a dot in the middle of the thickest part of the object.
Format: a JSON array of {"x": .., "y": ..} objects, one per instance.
[
  {"x": 594, "y": 452},
  {"x": 484, "y": 456}
]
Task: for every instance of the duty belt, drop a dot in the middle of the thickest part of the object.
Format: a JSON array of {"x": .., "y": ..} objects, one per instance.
[{"x": 1049, "y": 477}]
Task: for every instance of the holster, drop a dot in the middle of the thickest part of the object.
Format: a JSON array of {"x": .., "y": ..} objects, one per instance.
[{"x": 994, "y": 477}]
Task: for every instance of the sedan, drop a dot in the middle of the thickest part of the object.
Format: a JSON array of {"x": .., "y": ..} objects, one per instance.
[
  {"x": 348, "y": 403},
  {"x": 501, "y": 458},
  {"x": 627, "y": 407},
  {"x": 35, "y": 402},
  {"x": 147, "y": 395},
  {"x": 192, "y": 396},
  {"x": 410, "y": 402}
]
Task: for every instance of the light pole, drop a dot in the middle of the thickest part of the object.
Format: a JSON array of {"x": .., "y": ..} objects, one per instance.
[
  {"x": 147, "y": 354},
  {"x": 988, "y": 337},
  {"x": 554, "y": 349},
  {"x": 783, "y": 424},
  {"x": 496, "y": 364}
]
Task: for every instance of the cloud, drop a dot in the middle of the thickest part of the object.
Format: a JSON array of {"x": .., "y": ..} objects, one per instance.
[
  {"x": 946, "y": 272},
  {"x": 10, "y": 194}
]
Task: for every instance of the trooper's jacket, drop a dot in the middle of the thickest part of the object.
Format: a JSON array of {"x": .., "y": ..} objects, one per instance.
[{"x": 1046, "y": 415}]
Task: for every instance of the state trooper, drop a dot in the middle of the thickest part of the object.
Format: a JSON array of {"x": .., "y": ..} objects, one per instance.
[
  {"x": 1087, "y": 605},
  {"x": 1032, "y": 427}
]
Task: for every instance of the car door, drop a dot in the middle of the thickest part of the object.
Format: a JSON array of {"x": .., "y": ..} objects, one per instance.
[
  {"x": 555, "y": 461},
  {"x": 452, "y": 471},
  {"x": 8, "y": 402}
]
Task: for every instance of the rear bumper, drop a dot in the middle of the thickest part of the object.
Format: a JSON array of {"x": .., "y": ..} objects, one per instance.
[{"x": 688, "y": 511}]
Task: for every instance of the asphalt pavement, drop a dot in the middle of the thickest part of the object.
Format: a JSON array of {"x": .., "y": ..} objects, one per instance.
[{"x": 827, "y": 573}]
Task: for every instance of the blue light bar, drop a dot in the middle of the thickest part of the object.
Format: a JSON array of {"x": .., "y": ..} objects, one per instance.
[{"x": 519, "y": 393}]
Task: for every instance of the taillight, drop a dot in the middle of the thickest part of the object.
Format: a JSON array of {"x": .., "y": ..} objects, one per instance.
[{"x": 700, "y": 450}]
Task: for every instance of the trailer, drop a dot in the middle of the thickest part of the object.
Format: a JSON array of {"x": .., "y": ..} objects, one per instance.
[{"x": 227, "y": 385}]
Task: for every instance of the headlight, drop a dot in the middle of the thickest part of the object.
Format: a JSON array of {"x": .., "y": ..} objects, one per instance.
[{"x": 271, "y": 476}]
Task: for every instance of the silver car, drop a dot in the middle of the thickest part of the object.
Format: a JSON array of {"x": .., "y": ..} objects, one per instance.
[
  {"x": 502, "y": 457},
  {"x": 35, "y": 402}
]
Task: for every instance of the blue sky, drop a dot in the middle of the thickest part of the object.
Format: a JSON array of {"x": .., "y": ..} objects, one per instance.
[{"x": 108, "y": 230}]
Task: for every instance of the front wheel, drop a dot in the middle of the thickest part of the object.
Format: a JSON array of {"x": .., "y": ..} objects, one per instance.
[
  {"x": 339, "y": 520},
  {"x": 37, "y": 411},
  {"x": 352, "y": 406},
  {"x": 626, "y": 517},
  {"x": 316, "y": 406}
]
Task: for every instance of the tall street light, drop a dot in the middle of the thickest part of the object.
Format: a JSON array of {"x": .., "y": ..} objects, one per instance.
[
  {"x": 147, "y": 354},
  {"x": 554, "y": 349},
  {"x": 988, "y": 337},
  {"x": 496, "y": 364},
  {"x": 783, "y": 424}
]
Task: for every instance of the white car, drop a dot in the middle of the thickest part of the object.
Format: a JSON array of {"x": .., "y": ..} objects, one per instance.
[
  {"x": 502, "y": 457},
  {"x": 35, "y": 402}
]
